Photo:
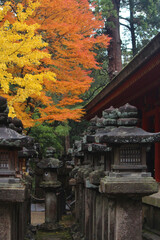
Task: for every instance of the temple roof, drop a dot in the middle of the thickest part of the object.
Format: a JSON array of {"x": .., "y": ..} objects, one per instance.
[{"x": 141, "y": 74}]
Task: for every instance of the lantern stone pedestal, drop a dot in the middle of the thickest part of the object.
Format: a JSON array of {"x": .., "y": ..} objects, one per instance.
[
  {"x": 51, "y": 186},
  {"x": 51, "y": 209},
  {"x": 125, "y": 194}
]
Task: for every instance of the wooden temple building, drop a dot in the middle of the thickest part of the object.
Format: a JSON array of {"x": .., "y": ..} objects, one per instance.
[{"x": 137, "y": 84}]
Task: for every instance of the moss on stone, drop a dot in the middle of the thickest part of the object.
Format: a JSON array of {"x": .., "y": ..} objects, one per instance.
[{"x": 60, "y": 235}]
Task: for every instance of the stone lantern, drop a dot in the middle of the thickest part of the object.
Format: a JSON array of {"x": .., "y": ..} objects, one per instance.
[
  {"x": 24, "y": 155},
  {"x": 129, "y": 143},
  {"x": 14, "y": 193},
  {"x": 51, "y": 185},
  {"x": 128, "y": 181},
  {"x": 10, "y": 143}
]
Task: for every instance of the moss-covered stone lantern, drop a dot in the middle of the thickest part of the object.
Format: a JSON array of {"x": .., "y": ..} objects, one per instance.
[
  {"x": 10, "y": 143},
  {"x": 129, "y": 143},
  {"x": 51, "y": 185},
  {"x": 14, "y": 194},
  {"x": 128, "y": 181}
]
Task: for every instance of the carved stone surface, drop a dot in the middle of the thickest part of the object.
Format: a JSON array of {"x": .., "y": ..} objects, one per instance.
[
  {"x": 127, "y": 121},
  {"x": 100, "y": 122},
  {"x": 83, "y": 173},
  {"x": 128, "y": 135},
  {"x": 27, "y": 152},
  {"x": 50, "y": 185},
  {"x": 98, "y": 148},
  {"x": 11, "y": 138},
  {"x": 93, "y": 121},
  {"x": 96, "y": 176},
  {"x": 126, "y": 118},
  {"x": 5, "y": 222},
  {"x": 109, "y": 122},
  {"x": 50, "y": 163},
  {"x": 127, "y": 111},
  {"x": 128, "y": 222},
  {"x": 50, "y": 151},
  {"x": 12, "y": 192},
  {"x": 131, "y": 184},
  {"x": 111, "y": 113},
  {"x": 3, "y": 111},
  {"x": 15, "y": 124}
]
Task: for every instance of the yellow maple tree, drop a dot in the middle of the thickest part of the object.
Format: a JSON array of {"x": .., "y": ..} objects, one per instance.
[{"x": 21, "y": 55}]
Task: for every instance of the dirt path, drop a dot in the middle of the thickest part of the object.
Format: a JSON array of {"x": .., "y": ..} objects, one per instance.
[{"x": 38, "y": 217}]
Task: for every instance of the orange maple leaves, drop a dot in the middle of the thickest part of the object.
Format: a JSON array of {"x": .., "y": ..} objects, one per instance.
[{"x": 69, "y": 27}]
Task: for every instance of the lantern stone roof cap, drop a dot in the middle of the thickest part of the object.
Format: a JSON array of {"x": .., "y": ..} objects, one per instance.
[
  {"x": 50, "y": 163},
  {"x": 9, "y": 137},
  {"x": 127, "y": 108},
  {"x": 27, "y": 152},
  {"x": 128, "y": 135},
  {"x": 111, "y": 113},
  {"x": 93, "y": 121}
]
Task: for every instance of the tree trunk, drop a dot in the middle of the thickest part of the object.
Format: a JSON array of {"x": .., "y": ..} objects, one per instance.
[
  {"x": 132, "y": 29},
  {"x": 114, "y": 50},
  {"x": 67, "y": 143}
]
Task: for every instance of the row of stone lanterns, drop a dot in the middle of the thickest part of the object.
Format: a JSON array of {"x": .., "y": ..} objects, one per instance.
[
  {"x": 15, "y": 206},
  {"x": 110, "y": 178}
]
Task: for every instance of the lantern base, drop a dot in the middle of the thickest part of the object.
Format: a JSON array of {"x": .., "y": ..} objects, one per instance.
[{"x": 50, "y": 227}]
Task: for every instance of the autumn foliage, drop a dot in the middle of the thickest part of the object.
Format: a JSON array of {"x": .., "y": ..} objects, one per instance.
[
  {"x": 68, "y": 28},
  {"x": 20, "y": 52}
]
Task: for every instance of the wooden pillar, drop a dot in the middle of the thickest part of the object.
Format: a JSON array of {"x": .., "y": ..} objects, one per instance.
[
  {"x": 157, "y": 148},
  {"x": 144, "y": 121}
]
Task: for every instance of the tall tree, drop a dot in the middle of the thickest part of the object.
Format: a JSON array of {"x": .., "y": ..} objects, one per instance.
[
  {"x": 114, "y": 50},
  {"x": 143, "y": 21},
  {"x": 110, "y": 12}
]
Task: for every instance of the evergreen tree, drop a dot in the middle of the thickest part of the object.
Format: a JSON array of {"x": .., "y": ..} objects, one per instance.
[
  {"x": 110, "y": 12},
  {"x": 143, "y": 21}
]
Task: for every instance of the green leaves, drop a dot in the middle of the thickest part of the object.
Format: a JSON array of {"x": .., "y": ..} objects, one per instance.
[
  {"x": 62, "y": 130},
  {"x": 47, "y": 135}
]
